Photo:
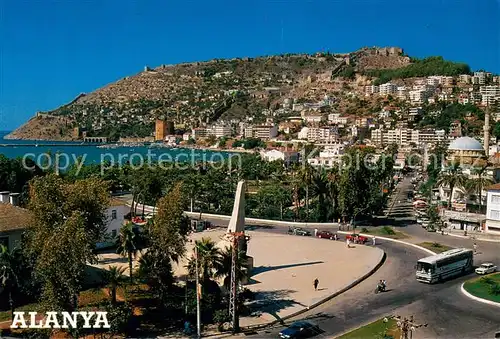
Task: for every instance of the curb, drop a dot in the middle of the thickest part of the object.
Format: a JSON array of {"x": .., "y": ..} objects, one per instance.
[
  {"x": 393, "y": 240},
  {"x": 322, "y": 301},
  {"x": 472, "y": 238},
  {"x": 481, "y": 300}
]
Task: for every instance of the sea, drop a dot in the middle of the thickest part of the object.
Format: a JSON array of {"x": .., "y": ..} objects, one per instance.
[{"x": 44, "y": 152}]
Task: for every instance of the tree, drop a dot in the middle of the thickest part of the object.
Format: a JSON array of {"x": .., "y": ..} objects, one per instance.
[
  {"x": 209, "y": 257},
  {"x": 223, "y": 269},
  {"x": 67, "y": 221},
  {"x": 451, "y": 178},
  {"x": 477, "y": 184},
  {"x": 167, "y": 239},
  {"x": 306, "y": 175},
  {"x": 127, "y": 245},
  {"x": 114, "y": 277},
  {"x": 10, "y": 264}
]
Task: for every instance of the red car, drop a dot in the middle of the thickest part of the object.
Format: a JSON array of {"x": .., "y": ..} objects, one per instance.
[
  {"x": 356, "y": 238},
  {"x": 326, "y": 235}
]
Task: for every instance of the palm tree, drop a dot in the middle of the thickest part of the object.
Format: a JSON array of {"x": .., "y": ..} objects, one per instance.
[
  {"x": 127, "y": 245},
  {"x": 10, "y": 263},
  {"x": 451, "y": 178},
  {"x": 306, "y": 175},
  {"x": 209, "y": 257},
  {"x": 481, "y": 182},
  {"x": 223, "y": 269},
  {"x": 114, "y": 277}
]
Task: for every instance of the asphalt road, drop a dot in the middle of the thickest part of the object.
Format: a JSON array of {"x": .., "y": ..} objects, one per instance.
[{"x": 442, "y": 306}]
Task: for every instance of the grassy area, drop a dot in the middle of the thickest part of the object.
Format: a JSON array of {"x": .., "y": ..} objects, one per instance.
[
  {"x": 376, "y": 329},
  {"x": 487, "y": 287},
  {"x": 435, "y": 246},
  {"x": 383, "y": 231},
  {"x": 5, "y": 315}
]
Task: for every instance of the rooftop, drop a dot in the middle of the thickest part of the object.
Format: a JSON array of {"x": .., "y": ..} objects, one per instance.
[
  {"x": 13, "y": 217},
  {"x": 465, "y": 144}
]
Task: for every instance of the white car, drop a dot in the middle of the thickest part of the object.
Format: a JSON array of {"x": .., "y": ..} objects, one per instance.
[{"x": 486, "y": 268}]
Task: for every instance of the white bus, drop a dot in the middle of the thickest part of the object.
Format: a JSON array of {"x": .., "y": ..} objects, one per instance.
[{"x": 445, "y": 265}]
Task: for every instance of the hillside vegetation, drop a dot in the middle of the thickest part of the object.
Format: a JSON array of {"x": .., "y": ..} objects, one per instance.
[{"x": 435, "y": 65}]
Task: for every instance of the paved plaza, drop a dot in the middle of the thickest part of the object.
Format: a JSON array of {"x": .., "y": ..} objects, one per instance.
[{"x": 285, "y": 267}]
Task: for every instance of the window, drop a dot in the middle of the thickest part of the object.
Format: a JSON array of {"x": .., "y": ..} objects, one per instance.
[
  {"x": 113, "y": 214},
  {"x": 494, "y": 214},
  {"x": 495, "y": 199}
]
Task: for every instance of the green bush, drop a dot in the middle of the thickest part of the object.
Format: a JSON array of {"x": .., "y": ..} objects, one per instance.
[
  {"x": 119, "y": 317},
  {"x": 487, "y": 281},
  {"x": 220, "y": 317},
  {"x": 436, "y": 244},
  {"x": 495, "y": 289},
  {"x": 365, "y": 230},
  {"x": 388, "y": 230}
]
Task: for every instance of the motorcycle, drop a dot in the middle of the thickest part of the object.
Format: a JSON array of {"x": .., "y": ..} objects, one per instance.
[{"x": 380, "y": 288}]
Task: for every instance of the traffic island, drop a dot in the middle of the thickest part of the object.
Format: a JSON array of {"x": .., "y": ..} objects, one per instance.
[
  {"x": 484, "y": 289},
  {"x": 382, "y": 328},
  {"x": 435, "y": 247},
  {"x": 384, "y": 231}
]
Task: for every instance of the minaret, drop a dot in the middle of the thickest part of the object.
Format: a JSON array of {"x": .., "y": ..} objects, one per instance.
[{"x": 487, "y": 131}]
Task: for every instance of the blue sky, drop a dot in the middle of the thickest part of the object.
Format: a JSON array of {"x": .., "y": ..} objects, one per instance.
[{"x": 50, "y": 51}]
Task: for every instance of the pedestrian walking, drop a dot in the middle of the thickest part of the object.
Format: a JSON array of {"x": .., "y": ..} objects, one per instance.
[
  {"x": 348, "y": 243},
  {"x": 475, "y": 247},
  {"x": 315, "y": 232},
  {"x": 316, "y": 283},
  {"x": 373, "y": 240}
]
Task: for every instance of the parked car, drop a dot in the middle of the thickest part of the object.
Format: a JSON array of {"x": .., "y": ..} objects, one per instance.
[
  {"x": 486, "y": 268},
  {"x": 357, "y": 238},
  {"x": 299, "y": 329},
  {"x": 298, "y": 231},
  {"x": 325, "y": 235}
]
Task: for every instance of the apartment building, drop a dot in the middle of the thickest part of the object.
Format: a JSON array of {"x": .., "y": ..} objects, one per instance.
[
  {"x": 387, "y": 88},
  {"x": 465, "y": 78},
  {"x": 402, "y": 93},
  {"x": 261, "y": 132},
  {"x": 421, "y": 93},
  {"x": 377, "y": 136},
  {"x": 221, "y": 131},
  {"x": 493, "y": 210},
  {"x": 199, "y": 132},
  {"x": 336, "y": 119},
  {"x": 481, "y": 78},
  {"x": 372, "y": 89},
  {"x": 318, "y": 133},
  {"x": 489, "y": 94}
]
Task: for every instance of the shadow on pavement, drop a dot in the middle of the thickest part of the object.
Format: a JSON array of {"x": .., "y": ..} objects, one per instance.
[
  {"x": 271, "y": 302},
  {"x": 262, "y": 269}
]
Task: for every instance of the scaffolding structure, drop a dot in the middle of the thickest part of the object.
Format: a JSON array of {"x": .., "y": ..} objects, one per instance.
[{"x": 235, "y": 238}]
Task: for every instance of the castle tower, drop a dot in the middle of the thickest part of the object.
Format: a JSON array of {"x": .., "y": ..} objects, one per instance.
[
  {"x": 487, "y": 132},
  {"x": 160, "y": 130}
]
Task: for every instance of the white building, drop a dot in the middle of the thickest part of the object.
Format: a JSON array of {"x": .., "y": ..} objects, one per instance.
[
  {"x": 493, "y": 210},
  {"x": 313, "y": 118},
  {"x": 372, "y": 89},
  {"x": 480, "y": 78},
  {"x": 115, "y": 215},
  {"x": 336, "y": 119},
  {"x": 199, "y": 132},
  {"x": 465, "y": 78},
  {"x": 221, "y": 131},
  {"x": 387, "y": 88},
  {"x": 261, "y": 132},
  {"x": 489, "y": 94},
  {"x": 377, "y": 136},
  {"x": 286, "y": 156}
]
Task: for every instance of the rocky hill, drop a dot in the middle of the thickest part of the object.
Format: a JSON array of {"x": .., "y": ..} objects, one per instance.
[{"x": 198, "y": 93}]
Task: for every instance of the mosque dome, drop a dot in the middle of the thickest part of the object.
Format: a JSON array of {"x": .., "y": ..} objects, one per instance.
[{"x": 465, "y": 144}]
